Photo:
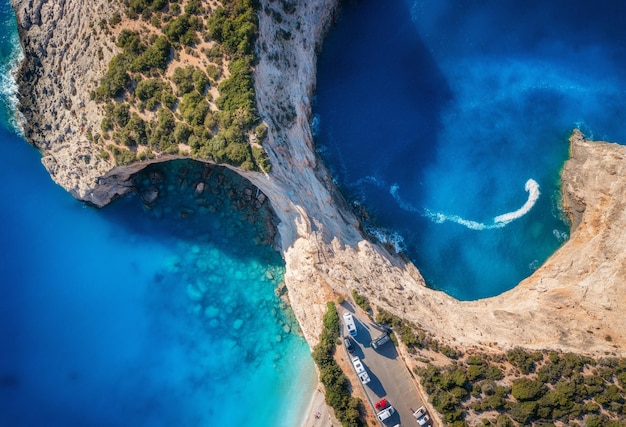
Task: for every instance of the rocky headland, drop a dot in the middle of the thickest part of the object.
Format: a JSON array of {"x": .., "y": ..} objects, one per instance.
[{"x": 574, "y": 302}]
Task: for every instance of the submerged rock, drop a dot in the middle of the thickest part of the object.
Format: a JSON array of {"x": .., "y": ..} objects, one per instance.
[
  {"x": 200, "y": 187},
  {"x": 149, "y": 195}
]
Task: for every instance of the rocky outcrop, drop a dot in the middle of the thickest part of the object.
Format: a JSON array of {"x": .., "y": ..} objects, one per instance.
[
  {"x": 573, "y": 302},
  {"x": 66, "y": 52}
]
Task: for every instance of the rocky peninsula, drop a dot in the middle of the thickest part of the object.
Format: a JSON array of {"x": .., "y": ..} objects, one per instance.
[{"x": 573, "y": 302}]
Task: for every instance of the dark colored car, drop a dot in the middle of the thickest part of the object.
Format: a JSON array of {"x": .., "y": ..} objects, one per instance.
[{"x": 347, "y": 341}]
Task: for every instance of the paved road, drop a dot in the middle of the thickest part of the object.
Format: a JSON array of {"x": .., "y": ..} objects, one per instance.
[{"x": 389, "y": 376}]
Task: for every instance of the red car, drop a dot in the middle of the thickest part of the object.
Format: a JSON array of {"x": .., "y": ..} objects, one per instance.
[{"x": 381, "y": 404}]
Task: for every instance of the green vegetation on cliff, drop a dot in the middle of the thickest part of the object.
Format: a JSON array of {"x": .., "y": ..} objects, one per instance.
[
  {"x": 565, "y": 388},
  {"x": 158, "y": 92}
]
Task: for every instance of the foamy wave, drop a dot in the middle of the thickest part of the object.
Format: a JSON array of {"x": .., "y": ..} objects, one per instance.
[
  {"x": 561, "y": 236},
  {"x": 315, "y": 125},
  {"x": 8, "y": 85},
  {"x": 388, "y": 238}
]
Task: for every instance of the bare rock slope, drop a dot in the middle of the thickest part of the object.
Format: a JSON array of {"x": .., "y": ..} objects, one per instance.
[{"x": 573, "y": 302}]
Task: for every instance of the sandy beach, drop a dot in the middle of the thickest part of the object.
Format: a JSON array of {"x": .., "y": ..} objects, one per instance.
[{"x": 317, "y": 414}]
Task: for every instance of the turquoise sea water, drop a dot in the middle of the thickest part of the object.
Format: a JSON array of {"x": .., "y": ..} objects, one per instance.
[
  {"x": 449, "y": 121},
  {"x": 134, "y": 317}
]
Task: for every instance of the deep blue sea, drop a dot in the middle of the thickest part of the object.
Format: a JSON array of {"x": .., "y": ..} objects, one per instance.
[
  {"x": 449, "y": 122},
  {"x": 132, "y": 317}
]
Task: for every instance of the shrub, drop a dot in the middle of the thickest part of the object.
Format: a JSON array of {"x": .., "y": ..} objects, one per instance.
[
  {"x": 523, "y": 360},
  {"x": 122, "y": 156},
  {"x": 136, "y": 128},
  {"x": 200, "y": 80},
  {"x": 182, "y": 77},
  {"x": 361, "y": 301},
  {"x": 237, "y": 92},
  {"x": 130, "y": 42},
  {"x": 522, "y": 412},
  {"x": 154, "y": 57},
  {"x": 194, "y": 108},
  {"x": 194, "y": 7},
  {"x": 121, "y": 114},
  {"x": 526, "y": 389},
  {"x": 261, "y": 131},
  {"x": 237, "y": 153},
  {"x": 493, "y": 373},
  {"x": 234, "y": 26},
  {"x": 115, "y": 80},
  {"x": 263, "y": 162},
  {"x": 149, "y": 88},
  {"x": 213, "y": 72},
  {"x": 115, "y": 19},
  {"x": 183, "y": 29},
  {"x": 182, "y": 132}
]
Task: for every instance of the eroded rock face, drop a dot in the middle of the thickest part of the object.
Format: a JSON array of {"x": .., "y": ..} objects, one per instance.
[
  {"x": 66, "y": 52},
  {"x": 575, "y": 301}
]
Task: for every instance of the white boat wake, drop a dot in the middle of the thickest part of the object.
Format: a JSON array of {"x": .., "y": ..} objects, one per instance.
[{"x": 532, "y": 187}]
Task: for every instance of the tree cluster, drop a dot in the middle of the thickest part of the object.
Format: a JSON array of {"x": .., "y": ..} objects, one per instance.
[
  {"x": 179, "y": 108},
  {"x": 553, "y": 387}
]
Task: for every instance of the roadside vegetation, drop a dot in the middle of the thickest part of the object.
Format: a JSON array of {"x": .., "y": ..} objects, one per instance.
[
  {"x": 183, "y": 83},
  {"x": 361, "y": 301},
  {"x": 514, "y": 388},
  {"x": 347, "y": 409}
]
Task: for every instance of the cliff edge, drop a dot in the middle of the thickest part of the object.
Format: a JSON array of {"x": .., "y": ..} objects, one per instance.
[{"x": 573, "y": 302}]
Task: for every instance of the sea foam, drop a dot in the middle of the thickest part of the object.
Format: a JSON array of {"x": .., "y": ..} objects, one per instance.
[{"x": 8, "y": 84}]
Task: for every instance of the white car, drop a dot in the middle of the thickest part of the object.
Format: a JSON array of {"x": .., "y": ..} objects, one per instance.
[
  {"x": 385, "y": 413},
  {"x": 421, "y": 416}
]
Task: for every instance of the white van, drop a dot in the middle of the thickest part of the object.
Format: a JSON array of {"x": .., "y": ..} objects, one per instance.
[
  {"x": 385, "y": 413},
  {"x": 350, "y": 325},
  {"x": 360, "y": 370}
]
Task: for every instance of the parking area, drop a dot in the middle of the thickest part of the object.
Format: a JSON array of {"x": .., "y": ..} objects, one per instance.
[{"x": 388, "y": 377}]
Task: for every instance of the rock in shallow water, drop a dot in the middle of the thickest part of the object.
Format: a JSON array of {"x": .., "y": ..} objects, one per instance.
[
  {"x": 149, "y": 195},
  {"x": 200, "y": 187}
]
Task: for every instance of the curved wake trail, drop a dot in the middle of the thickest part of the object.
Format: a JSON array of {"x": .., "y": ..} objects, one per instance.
[{"x": 499, "y": 221}]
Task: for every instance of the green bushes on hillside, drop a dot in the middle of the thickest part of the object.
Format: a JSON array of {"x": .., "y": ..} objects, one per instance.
[
  {"x": 235, "y": 26},
  {"x": 135, "y": 84},
  {"x": 587, "y": 391},
  {"x": 361, "y": 301}
]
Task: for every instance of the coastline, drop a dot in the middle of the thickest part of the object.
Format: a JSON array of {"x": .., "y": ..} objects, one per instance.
[
  {"x": 317, "y": 414},
  {"x": 579, "y": 289}
]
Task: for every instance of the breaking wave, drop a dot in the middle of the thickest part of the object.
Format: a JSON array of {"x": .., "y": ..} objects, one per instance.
[{"x": 8, "y": 84}]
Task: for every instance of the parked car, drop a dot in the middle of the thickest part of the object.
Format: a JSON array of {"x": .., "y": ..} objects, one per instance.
[
  {"x": 385, "y": 413},
  {"x": 380, "y": 340},
  {"x": 381, "y": 404},
  {"x": 347, "y": 341},
  {"x": 421, "y": 416}
]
